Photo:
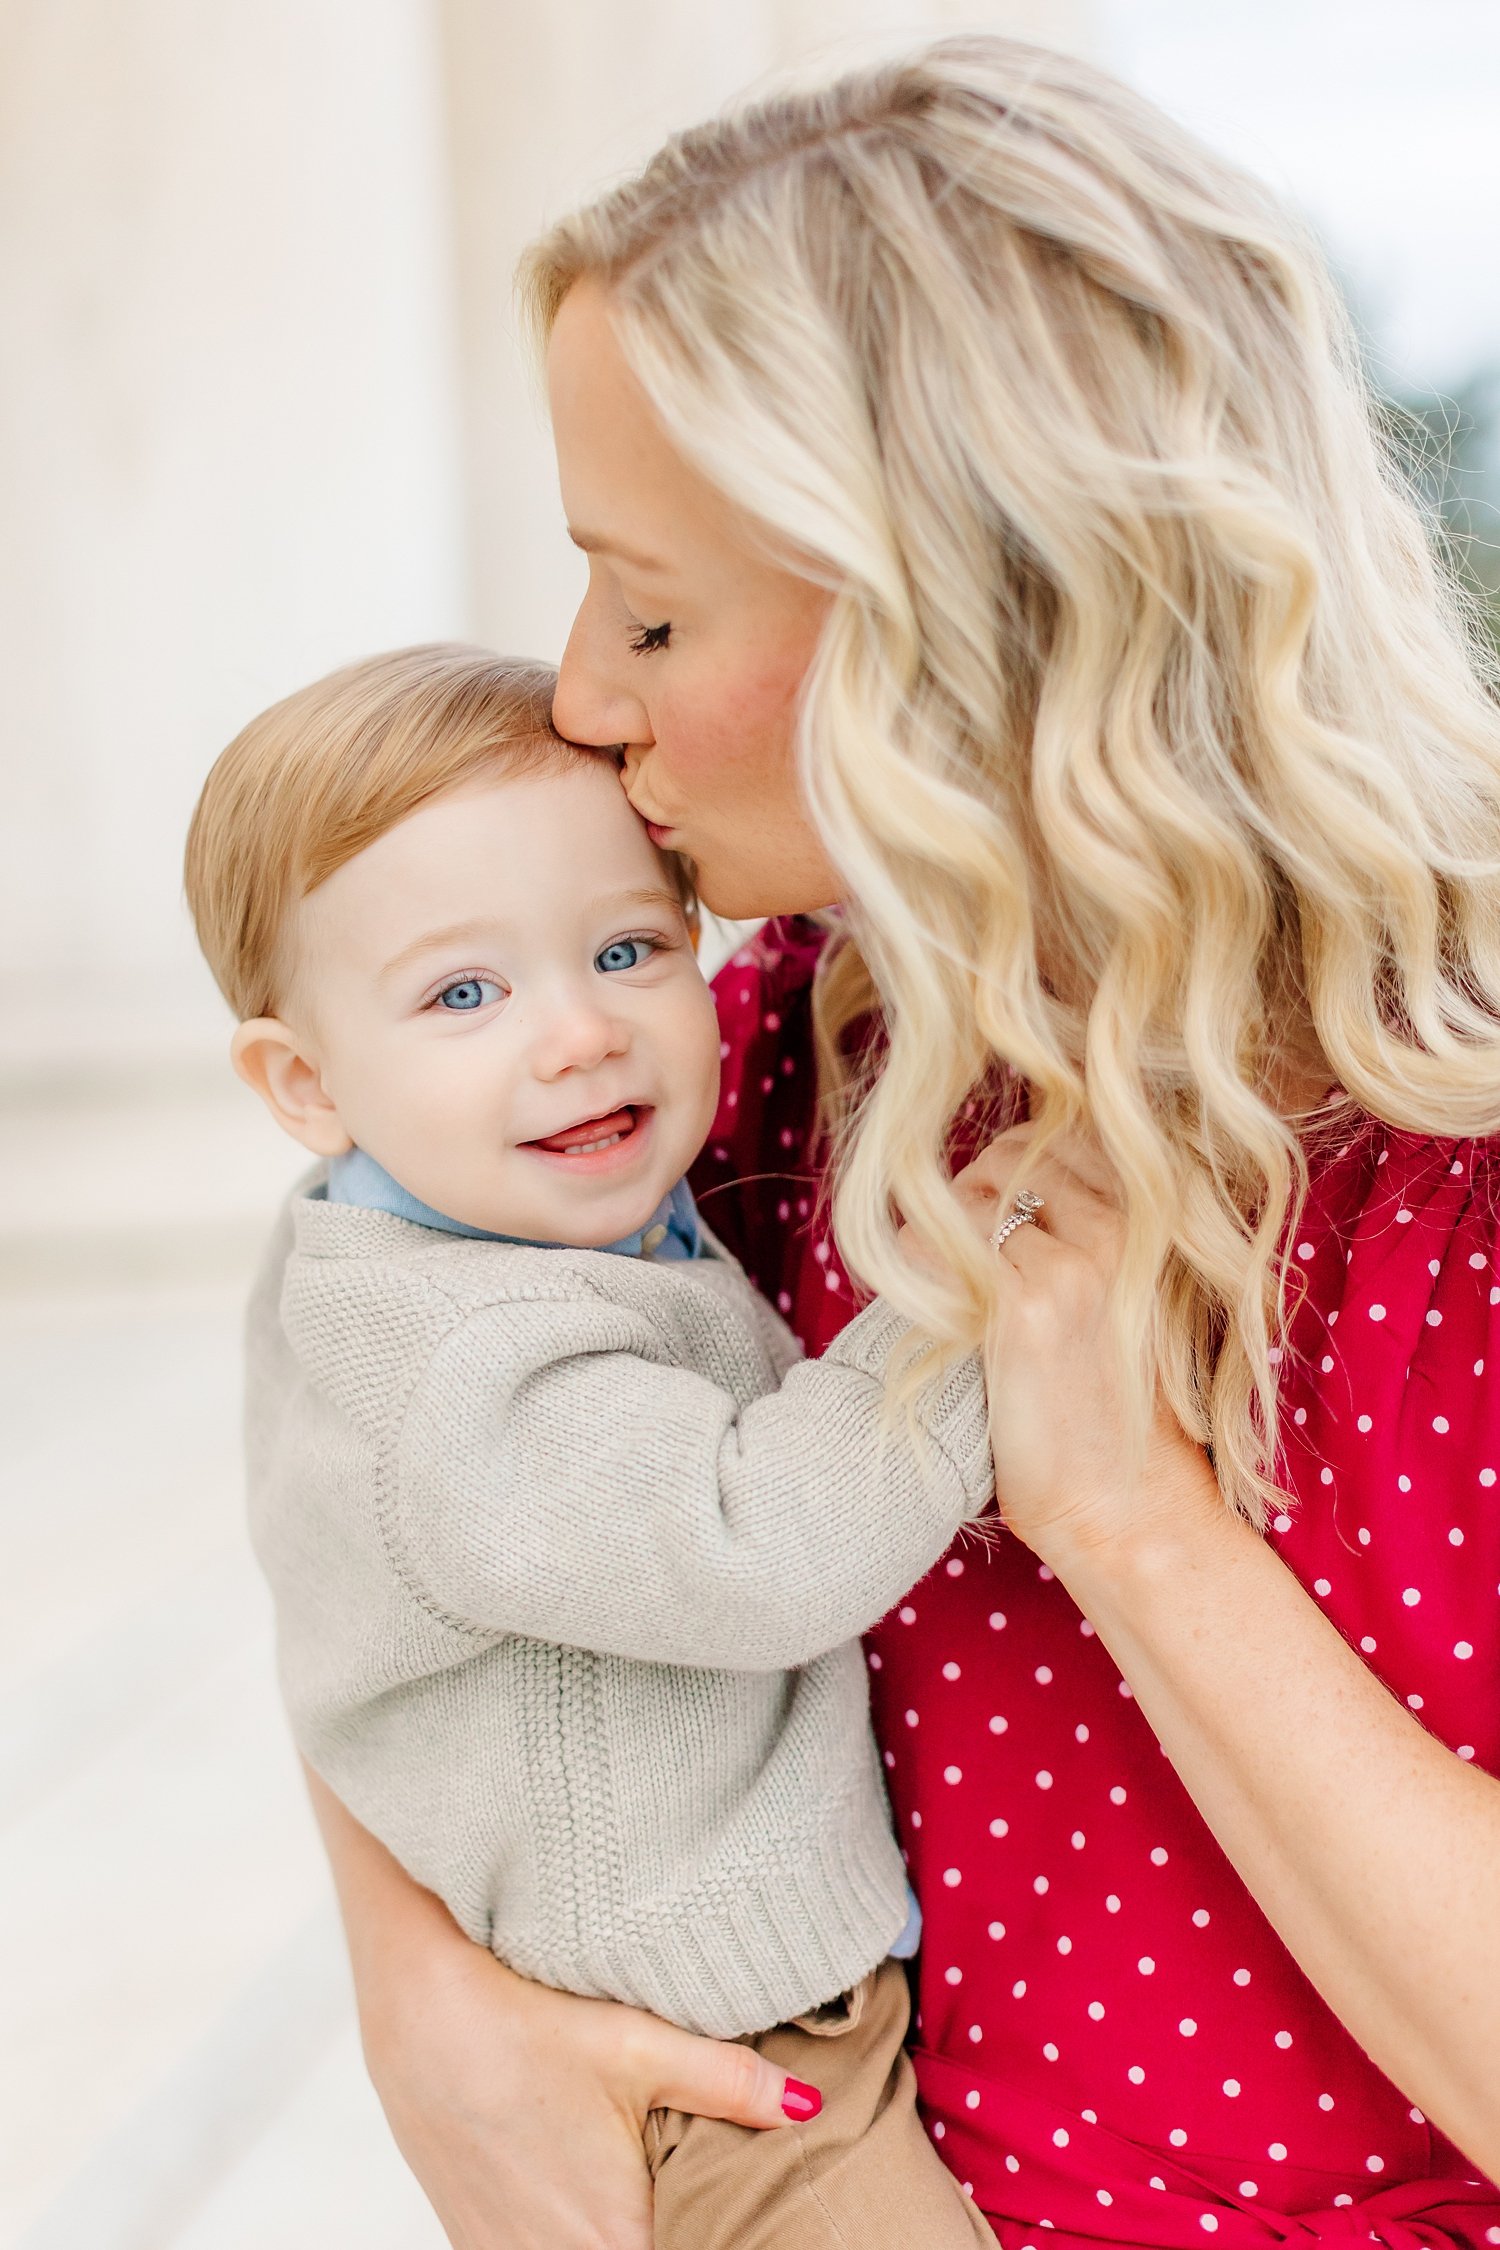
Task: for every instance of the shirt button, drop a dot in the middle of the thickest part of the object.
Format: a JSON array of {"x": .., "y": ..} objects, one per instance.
[{"x": 652, "y": 1240}]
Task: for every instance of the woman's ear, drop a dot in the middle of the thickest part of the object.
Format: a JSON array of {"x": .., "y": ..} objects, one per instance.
[{"x": 270, "y": 1058}]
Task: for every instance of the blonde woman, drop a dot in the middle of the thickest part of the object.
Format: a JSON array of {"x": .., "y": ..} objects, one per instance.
[{"x": 989, "y": 535}]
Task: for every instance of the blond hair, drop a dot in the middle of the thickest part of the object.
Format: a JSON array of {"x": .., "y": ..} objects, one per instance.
[
  {"x": 1145, "y": 731},
  {"x": 319, "y": 776}
]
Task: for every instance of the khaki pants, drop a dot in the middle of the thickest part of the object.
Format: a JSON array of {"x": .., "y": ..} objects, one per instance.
[{"x": 862, "y": 2173}]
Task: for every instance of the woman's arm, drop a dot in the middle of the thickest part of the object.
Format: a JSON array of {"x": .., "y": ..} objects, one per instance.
[
  {"x": 519, "y": 2109},
  {"x": 1370, "y": 1847},
  {"x": 1315, "y": 1781}
]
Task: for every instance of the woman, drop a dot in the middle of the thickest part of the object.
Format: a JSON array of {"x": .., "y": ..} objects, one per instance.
[{"x": 987, "y": 531}]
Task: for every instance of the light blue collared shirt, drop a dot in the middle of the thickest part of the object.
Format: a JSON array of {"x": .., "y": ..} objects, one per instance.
[{"x": 671, "y": 1233}]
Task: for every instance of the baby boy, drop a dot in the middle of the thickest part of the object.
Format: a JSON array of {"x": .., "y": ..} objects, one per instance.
[{"x": 568, "y": 1546}]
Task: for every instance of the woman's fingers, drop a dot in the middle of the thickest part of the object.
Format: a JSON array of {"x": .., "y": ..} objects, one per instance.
[{"x": 720, "y": 2078}]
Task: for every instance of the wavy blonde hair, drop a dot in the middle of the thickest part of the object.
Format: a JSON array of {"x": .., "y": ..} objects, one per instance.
[{"x": 1145, "y": 729}]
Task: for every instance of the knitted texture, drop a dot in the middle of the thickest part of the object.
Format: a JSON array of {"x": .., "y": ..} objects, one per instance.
[{"x": 568, "y": 1551}]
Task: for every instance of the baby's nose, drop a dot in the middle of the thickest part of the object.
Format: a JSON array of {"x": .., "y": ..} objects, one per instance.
[{"x": 579, "y": 1037}]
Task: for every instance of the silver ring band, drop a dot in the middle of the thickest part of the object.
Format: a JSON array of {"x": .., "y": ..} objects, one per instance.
[{"x": 1022, "y": 1213}]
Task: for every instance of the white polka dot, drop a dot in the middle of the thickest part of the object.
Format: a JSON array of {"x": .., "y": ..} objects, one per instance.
[
  {"x": 1365, "y": 1423},
  {"x": 1486, "y": 1477},
  {"x": 1283, "y": 2039},
  {"x": 1208, "y": 2222},
  {"x": 1080, "y": 1733},
  {"x": 954, "y": 1567},
  {"x": 1117, "y": 1795},
  {"x": 998, "y": 1725},
  {"x": 1440, "y": 1424},
  {"x": 1248, "y": 2187},
  {"x": 907, "y": 1614},
  {"x": 999, "y": 1826},
  {"x": 1455, "y": 1537},
  {"x": 1065, "y": 1945},
  {"x": 1411, "y": 1595},
  {"x": 953, "y": 1774},
  {"x": 1044, "y": 1779},
  {"x": 1326, "y": 1363},
  {"x": 975, "y": 2034},
  {"x": 916, "y": 1820},
  {"x": 1018, "y": 1989},
  {"x": 1342, "y": 2202},
  {"x": 1112, "y": 1903},
  {"x": 1049, "y": 2051},
  {"x": 1043, "y": 1675},
  {"x": 1045, "y": 1574},
  {"x": 1300, "y": 1416},
  {"x": 997, "y": 1930},
  {"x": 1177, "y": 2137},
  {"x": 911, "y": 1718},
  {"x": 953, "y": 1976},
  {"x": 1403, "y": 1484},
  {"x": 1416, "y": 2117},
  {"x": 1367, "y": 1643},
  {"x": 1463, "y": 1650},
  {"x": 1060, "y": 2137},
  {"x": 1479, "y": 1366},
  {"x": 1102, "y": 2195},
  {"x": 1374, "y": 2163},
  {"x": 1096, "y": 2010},
  {"x": 1201, "y": 1918},
  {"x": 875, "y": 1660},
  {"x": 1125, "y": 1690},
  {"x": 1277, "y": 2152},
  {"x": 939, "y": 2130},
  {"x": 1158, "y": 1857},
  {"x": 1325, "y": 1476},
  {"x": 1377, "y": 1312},
  {"x": 1231, "y": 2087},
  {"x": 1403, "y": 1217},
  {"x": 1242, "y": 1976},
  {"x": 1146, "y": 1965},
  {"x": 1188, "y": 2028},
  {"x": 1156, "y": 2183},
  {"x": 890, "y": 1757},
  {"x": 1040, "y": 1885},
  {"x": 1478, "y": 1260},
  {"x": 1362, "y": 1536},
  {"x": 1325, "y": 2101},
  {"x": 1136, "y": 2075},
  {"x": 951, "y": 1672},
  {"x": 1012, "y": 2164},
  {"x": 1465, "y": 1751},
  {"x": 1304, "y": 1249},
  {"x": 971, "y": 2099},
  {"x": 1282, "y": 1522},
  {"x": 952, "y": 1876},
  {"x": 1414, "y": 1702},
  {"x": 997, "y": 1621},
  {"x": 1078, "y": 1839},
  {"x": 1434, "y": 1318},
  {"x": 1322, "y": 1586}
]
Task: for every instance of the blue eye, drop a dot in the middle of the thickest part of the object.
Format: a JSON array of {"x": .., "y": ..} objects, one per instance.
[
  {"x": 625, "y": 953},
  {"x": 467, "y": 995}
]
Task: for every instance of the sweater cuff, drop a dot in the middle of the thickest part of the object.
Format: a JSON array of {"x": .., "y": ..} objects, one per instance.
[{"x": 953, "y": 1410}]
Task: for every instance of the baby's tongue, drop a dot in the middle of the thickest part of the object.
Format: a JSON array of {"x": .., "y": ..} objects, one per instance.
[{"x": 597, "y": 1129}]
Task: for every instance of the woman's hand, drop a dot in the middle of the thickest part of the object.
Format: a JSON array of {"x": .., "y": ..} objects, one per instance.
[
  {"x": 520, "y": 2109},
  {"x": 1064, "y": 1475}
]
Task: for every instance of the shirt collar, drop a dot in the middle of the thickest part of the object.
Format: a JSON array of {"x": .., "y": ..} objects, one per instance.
[{"x": 671, "y": 1233}]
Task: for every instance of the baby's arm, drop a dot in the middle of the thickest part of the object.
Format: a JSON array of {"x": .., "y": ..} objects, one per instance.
[{"x": 554, "y": 1478}]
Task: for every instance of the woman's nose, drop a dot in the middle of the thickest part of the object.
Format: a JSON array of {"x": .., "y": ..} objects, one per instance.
[{"x": 594, "y": 702}]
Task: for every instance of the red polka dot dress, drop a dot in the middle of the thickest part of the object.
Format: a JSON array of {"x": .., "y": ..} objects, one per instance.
[{"x": 1114, "y": 2047}]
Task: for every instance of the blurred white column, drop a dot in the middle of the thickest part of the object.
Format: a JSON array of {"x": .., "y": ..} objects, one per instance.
[{"x": 226, "y": 447}]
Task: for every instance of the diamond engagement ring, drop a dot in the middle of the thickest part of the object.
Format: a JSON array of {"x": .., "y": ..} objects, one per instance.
[{"x": 1022, "y": 1213}]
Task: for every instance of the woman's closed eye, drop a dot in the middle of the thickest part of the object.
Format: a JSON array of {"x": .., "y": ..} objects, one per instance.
[
  {"x": 627, "y": 953},
  {"x": 647, "y": 638},
  {"x": 466, "y": 995}
]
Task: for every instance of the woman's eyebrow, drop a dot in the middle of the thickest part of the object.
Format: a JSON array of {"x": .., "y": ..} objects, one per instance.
[{"x": 594, "y": 543}]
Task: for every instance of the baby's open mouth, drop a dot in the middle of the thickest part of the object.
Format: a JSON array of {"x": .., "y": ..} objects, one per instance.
[{"x": 592, "y": 1134}]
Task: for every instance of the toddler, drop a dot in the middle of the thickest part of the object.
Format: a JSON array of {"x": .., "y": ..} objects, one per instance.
[{"x": 568, "y": 1546}]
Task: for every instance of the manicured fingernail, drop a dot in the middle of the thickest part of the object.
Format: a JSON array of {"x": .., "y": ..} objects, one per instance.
[{"x": 801, "y": 2102}]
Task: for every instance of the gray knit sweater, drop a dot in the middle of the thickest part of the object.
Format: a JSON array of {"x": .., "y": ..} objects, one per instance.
[{"x": 568, "y": 1551}]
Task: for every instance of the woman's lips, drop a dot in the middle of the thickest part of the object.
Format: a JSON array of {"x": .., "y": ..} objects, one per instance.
[
  {"x": 661, "y": 837},
  {"x": 597, "y": 1144}
]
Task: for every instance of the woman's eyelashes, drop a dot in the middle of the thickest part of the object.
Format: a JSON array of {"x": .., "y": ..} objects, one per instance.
[{"x": 648, "y": 638}]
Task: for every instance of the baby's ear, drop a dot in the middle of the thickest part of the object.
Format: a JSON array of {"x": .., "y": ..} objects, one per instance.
[{"x": 273, "y": 1062}]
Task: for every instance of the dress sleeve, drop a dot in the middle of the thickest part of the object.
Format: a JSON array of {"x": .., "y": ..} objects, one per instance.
[{"x": 1391, "y": 1422}]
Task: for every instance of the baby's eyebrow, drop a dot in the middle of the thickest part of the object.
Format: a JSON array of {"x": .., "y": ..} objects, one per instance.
[
  {"x": 456, "y": 933},
  {"x": 650, "y": 894}
]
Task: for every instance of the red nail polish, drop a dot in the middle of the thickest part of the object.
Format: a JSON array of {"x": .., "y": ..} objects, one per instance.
[{"x": 801, "y": 2102}]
